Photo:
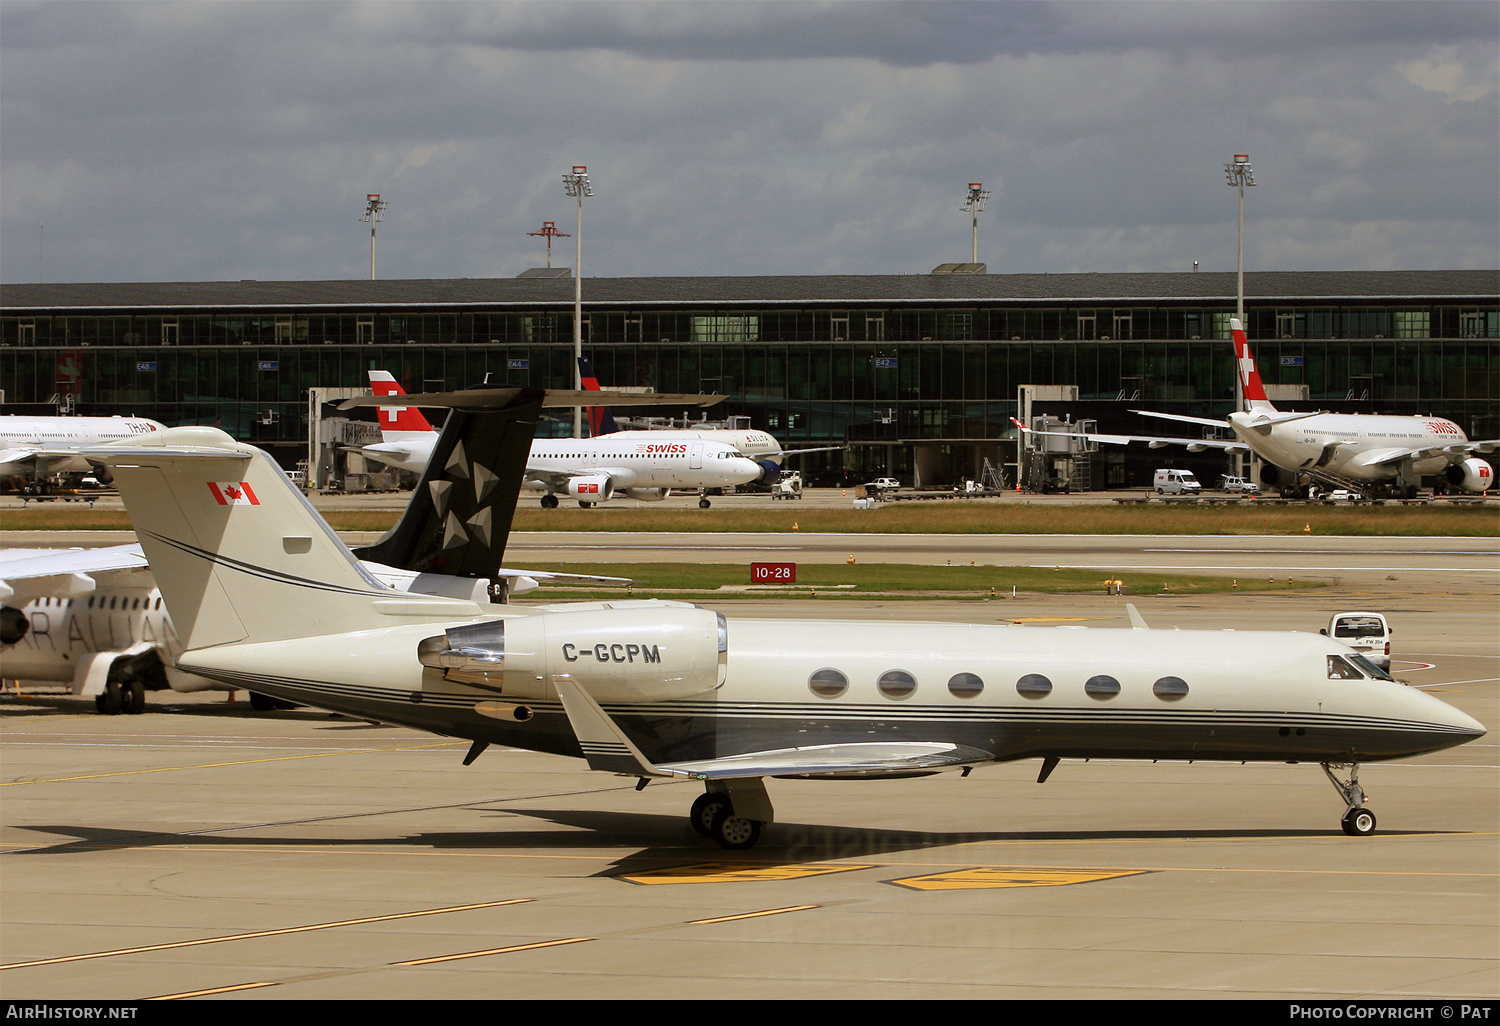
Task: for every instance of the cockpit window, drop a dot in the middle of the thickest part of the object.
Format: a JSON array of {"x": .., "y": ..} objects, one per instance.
[
  {"x": 1341, "y": 668},
  {"x": 1369, "y": 668}
]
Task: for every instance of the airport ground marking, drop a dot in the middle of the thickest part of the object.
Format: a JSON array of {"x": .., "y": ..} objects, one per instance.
[
  {"x": 752, "y": 915},
  {"x": 222, "y": 765},
  {"x": 169, "y": 945},
  {"x": 212, "y": 991},
  {"x": 992, "y": 877},
  {"x": 734, "y": 872},
  {"x": 494, "y": 951}
]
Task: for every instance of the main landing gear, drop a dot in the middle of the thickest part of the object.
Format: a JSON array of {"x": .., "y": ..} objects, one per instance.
[
  {"x": 713, "y": 816},
  {"x": 1358, "y": 821}
]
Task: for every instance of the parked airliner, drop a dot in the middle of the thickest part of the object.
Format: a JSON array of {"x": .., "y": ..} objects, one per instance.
[
  {"x": 646, "y": 465},
  {"x": 23, "y": 440},
  {"x": 265, "y": 597},
  {"x": 1357, "y": 451}
]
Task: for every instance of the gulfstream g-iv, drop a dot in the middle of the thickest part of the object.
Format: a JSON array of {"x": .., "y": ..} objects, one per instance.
[{"x": 266, "y": 597}]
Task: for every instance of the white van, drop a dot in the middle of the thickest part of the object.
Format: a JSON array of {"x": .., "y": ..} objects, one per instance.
[
  {"x": 1367, "y": 633},
  {"x": 1176, "y": 482}
]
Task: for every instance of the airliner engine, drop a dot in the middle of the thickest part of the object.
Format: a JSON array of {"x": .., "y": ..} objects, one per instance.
[
  {"x": 589, "y": 489},
  {"x": 639, "y": 651},
  {"x": 1472, "y": 475}
]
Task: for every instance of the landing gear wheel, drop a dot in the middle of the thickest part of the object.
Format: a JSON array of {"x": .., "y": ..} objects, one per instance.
[
  {"x": 703, "y": 504},
  {"x": 734, "y": 832},
  {"x": 585, "y": 505},
  {"x": 133, "y": 697},
  {"x": 108, "y": 700},
  {"x": 1359, "y": 822},
  {"x": 549, "y": 502},
  {"x": 704, "y": 809}
]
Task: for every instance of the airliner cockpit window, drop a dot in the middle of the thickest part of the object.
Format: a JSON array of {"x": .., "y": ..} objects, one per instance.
[
  {"x": 1341, "y": 668},
  {"x": 1369, "y": 668}
]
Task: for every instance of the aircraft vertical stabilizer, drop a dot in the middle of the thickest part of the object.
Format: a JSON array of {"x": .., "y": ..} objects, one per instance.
[
  {"x": 601, "y": 421},
  {"x": 1256, "y": 400},
  {"x": 236, "y": 549}
]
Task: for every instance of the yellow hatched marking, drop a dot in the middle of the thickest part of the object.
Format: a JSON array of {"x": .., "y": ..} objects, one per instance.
[
  {"x": 1002, "y": 876},
  {"x": 731, "y": 872}
]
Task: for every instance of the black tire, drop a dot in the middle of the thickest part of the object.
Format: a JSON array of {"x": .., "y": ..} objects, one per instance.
[
  {"x": 704, "y": 809},
  {"x": 549, "y": 502},
  {"x": 262, "y": 703},
  {"x": 133, "y": 697},
  {"x": 109, "y": 700},
  {"x": 734, "y": 832},
  {"x": 1359, "y": 822},
  {"x": 703, "y": 504}
]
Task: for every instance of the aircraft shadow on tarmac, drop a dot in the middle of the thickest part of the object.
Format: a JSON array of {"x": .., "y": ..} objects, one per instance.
[{"x": 647, "y": 838}]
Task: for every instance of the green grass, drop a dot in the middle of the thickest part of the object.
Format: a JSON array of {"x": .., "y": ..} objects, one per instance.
[
  {"x": 955, "y": 516},
  {"x": 886, "y": 580}
]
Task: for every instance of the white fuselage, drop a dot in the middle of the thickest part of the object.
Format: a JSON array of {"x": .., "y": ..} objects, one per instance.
[
  {"x": 1350, "y": 445},
  {"x": 666, "y": 460},
  {"x": 755, "y": 444},
  {"x": 22, "y": 437},
  {"x": 1010, "y": 691}
]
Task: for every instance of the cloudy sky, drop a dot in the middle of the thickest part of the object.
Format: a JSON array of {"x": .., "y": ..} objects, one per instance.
[{"x": 198, "y": 140}]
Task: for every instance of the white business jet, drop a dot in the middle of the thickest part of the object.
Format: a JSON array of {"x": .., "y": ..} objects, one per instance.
[
  {"x": 94, "y": 619},
  {"x": 1358, "y": 451},
  {"x": 646, "y": 466},
  {"x": 265, "y": 597}
]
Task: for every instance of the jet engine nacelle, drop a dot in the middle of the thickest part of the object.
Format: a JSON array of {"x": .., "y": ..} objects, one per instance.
[
  {"x": 647, "y": 494},
  {"x": 13, "y": 625},
  {"x": 1472, "y": 475},
  {"x": 618, "y": 652},
  {"x": 589, "y": 489},
  {"x": 770, "y": 470}
]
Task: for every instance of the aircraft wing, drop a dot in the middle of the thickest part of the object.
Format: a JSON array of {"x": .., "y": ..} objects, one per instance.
[
  {"x": 798, "y": 452},
  {"x": 558, "y": 479},
  {"x": 606, "y": 747},
  {"x": 1155, "y": 442},
  {"x": 492, "y": 397},
  {"x": 59, "y": 461},
  {"x": 63, "y": 573},
  {"x": 1184, "y": 418}
]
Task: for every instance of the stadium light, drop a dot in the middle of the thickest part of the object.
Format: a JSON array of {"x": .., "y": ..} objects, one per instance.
[
  {"x": 374, "y": 213},
  {"x": 576, "y": 184},
  {"x": 978, "y": 197}
]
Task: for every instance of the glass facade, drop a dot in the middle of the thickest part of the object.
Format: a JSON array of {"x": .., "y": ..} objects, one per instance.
[{"x": 876, "y": 376}]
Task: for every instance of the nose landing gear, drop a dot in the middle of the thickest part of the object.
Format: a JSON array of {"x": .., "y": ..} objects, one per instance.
[{"x": 1358, "y": 821}]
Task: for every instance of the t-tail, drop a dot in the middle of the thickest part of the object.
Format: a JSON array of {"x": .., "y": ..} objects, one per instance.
[
  {"x": 601, "y": 422},
  {"x": 397, "y": 423},
  {"x": 237, "y": 550},
  {"x": 1250, "y": 384}
]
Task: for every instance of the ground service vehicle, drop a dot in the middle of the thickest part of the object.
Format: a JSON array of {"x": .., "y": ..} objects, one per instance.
[
  {"x": 1369, "y": 634},
  {"x": 1175, "y": 482}
]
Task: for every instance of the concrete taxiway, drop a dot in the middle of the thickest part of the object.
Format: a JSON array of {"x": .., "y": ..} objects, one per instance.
[{"x": 202, "y": 849}]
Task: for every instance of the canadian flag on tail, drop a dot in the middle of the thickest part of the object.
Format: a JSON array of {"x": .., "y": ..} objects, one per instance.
[{"x": 233, "y": 493}]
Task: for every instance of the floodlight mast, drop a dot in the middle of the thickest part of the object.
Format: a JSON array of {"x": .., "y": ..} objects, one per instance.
[
  {"x": 978, "y": 197},
  {"x": 577, "y": 185},
  {"x": 374, "y": 213},
  {"x": 1240, "y": 175}
]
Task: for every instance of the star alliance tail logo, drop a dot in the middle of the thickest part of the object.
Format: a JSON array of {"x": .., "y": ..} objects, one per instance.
[{"x": 233, "y": 493}]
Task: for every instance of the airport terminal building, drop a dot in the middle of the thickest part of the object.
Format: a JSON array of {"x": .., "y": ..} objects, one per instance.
[{"x": 920, "y": 374}]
